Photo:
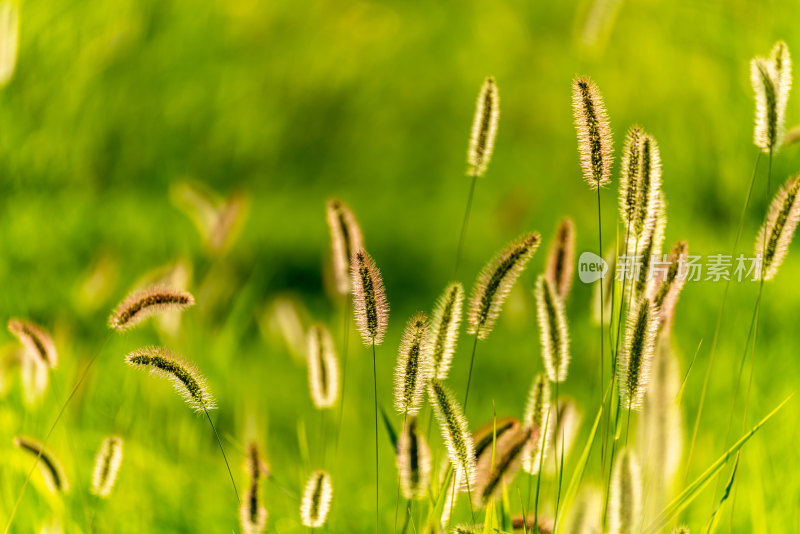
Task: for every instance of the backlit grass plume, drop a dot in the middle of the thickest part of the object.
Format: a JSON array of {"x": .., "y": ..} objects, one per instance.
[
  {"x": 495, "y": 429},
  {"x": 781, "y": 63},
  {"x": 650, "y": 249},
  {"x": 106, "y": 466},
  {"x": 413, "y": 461},
  {"x": 594, "y": 132},
  {"x": 667, "y": 285},
  {"x": 537, "y": 416},
  {"x": 413, "y": 367},
  {"x": 629, "y": 174},
  {"x": 567, "y": 420},
  {"x": 553, "y": 333},
  {"x": 778, "y": 229},
  {"x": 252, "y": 514},
  {"x": 370, "y": 306},
  {"x": 346, "y": 238},
  {"x": 185, "y": 378},
  {"x": 772, "y": 79},
  {"x": 498, "y": 469},
  {"x": 37, "y": 342},
  {"x": 561, "y": 258},
  {"x": 323, "y": 367},
  {"x": 495, "y": 281},
  {"x": 455, "y": 432},
  {"x": 484, "y": 129},
  {"x": 316, "y": 499},
  {"x": 625, "y": 499},
  {"x": 443, "y": 333},
  {"x": 145, "y": 303},
  {"x": 633, "y": 364},
  {"x": 48, "y": 464},
  {"x": 640, "y": 183}
]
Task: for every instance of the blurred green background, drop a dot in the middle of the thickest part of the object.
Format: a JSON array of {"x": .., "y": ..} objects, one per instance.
[{"x": 115, "y": 106}]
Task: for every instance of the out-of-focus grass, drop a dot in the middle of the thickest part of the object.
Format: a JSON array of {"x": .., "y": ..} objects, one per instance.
[{"x": 294, "y": 102}]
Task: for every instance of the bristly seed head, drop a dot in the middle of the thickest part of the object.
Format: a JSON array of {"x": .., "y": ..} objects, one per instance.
[
  {"x": 561, "y": 258},
  {"x": 413, "y": 461},
  {"x": 625, "y": 499},
  {"x": 495, "y": 282},
  {"x": 484, "y": 129},
  {"x": 553, "y": 332},
  {"x": 650, "y": 246},
  {"x": 413, "y": 369},
  {"x": 106, "y": 466},
  {"x": 772, "y": 80},
  {"x": 640, "y": 183},
  {"x": 185, "y": 378},
  {"x": 346, "y": 238},
  {"x": 455, "y": 431},
  {"x": 496, "y": 471},
  {"x": 537, "y": 416},
  {"x": 370, "y": 306},
  {"x": 777, "y": 232},
  {"x": 667, "y": 286},
  {"x": 443, "y": 333},
  {"x": 594, "y": 132},
  {"x": 49, "y": 465},
  {"x": 37, "y": 342},
  {"x": 144, "y": 303},
  {"x": 252, "y": 514},
  {"x": 633, "y": 364},
  {"x": 323, "y": 367},
  {"x": 316, "y": 499}
]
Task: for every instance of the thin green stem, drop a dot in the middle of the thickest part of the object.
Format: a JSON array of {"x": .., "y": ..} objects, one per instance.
[
  {"x": 222, "y": 450},
  {"x": 539, "y": 475},
  {"x": 377, "y": 479},
  {"x": 469, "y": 376},
  {"x": 464, "y": 224},
  {"x": 602, "y": 310},
  {"x": 397, "y": 498}
]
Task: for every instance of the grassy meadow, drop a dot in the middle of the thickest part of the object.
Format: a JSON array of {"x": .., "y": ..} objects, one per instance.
[{"x": 195, "y": 144}]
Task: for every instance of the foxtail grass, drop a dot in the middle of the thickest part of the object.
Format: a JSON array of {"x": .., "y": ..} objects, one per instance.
[
  {"x": 443, "y": 333},
  {"x": 50, "y": 467},
  {"x": 561, "y": 258},
  {"x": 346, "y": 238},
  {"x": 553, "y": 332},
  {"x": 537, "y": 411},
  {"x": 316, "y": 499},
  {"x": 106, "y": 466},
  {"x": 778, "y": 229},
  {"x": 594, "y": 132},
  {"x": 413, "y": 461},
  {"x": 323, "y": 367},
  {"x": 252, "y": 514},
  {"x": 634, "y": 361},
  {"x": 413, "y": 367},
  {"x": 625, "y": 502},
  {"x": 771, "y": 79},
  {"x": 37, "y": 342},
  {"x": 651, "y": 249},
  {"x": 586, "y": 515},
  {"x": 455, "y": 433},
  {"x": 667, "y": 285},
  {"x": 497, "y": 470},
  {"x": 145, "y": 303}
]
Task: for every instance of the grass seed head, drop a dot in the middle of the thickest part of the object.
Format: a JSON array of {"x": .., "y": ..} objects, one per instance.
[
  {"x": 106, "y": 466},
  {"x": 594, "y": 132},
  {"x": 346, "y": 238},
  {"x": 496, "y": 471},
  {"x": 561, "y": 258},
  {"x": 413, "y": 461},
  {"x": 323, "y": 367},
  {"x": 50, "y": 467},
  {"x": 667, "y": 285},
  {"x": 633, "y": 364},
  {"x": 370, "y": 307},
  {"x": 625, "y": 498},
  {"x": 316, "y": 499},
  {"x": 252, "y": 514},
  {"x": 484, "y": 129},
  {"x": 443, "y": 333},
  {"x": 553, "y": 332},
  {"x": 413, "y": 369},
  {"x": 777, "y": 232},
  {"x": 455, "y": 432},
  {"x": 539, "y": 417},
  {"x": 768, "y": 130},
  {"x": 495, "y": 282},
  {"x": 145, "y": 303},
  {"x": 37, "y": 342}
]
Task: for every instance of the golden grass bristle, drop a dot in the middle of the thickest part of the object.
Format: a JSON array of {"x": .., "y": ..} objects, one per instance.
[
  {"x": 37, "y": 342},
  {"x": 650, "y": 250},
  {"x": 316, "y": 499},
  {"x": 413, "y": 461},
  {"x": 648, "y": 200},
  {"x": 485, "y": 435},
  {"x": 633, "y": 364},
  {"x": 455, "y": 432},
  {"x": 771, "y": 95},
  {"x": 370, "y": 307},
  {"x": 443, "y": 333},
  {"x": 48, "y": 464},
  {"x": 346, "y": 238},
  {"x": 629, "y": 193},
  {"x": 144, "y": 303},
  {"x": 539, "y": 417},
  {"x": 491, "y": 477},
  {"x": 594, "y": 132},
  {"x": 778, "y": 229},
  {"x": 323, "y": 367},
  {"x": 667, "y": 286},
  {"x": 484, "y": 129},
  {"x": 252, "y": 514},
  {"x": 106, "y": 466},
  {"x": 625, "y": 498},
  {"x": 561, "y": 258},
  {"x": 413, "y": 369},
  {"x": 495, "y": 281},
  {"x": 185, "y": 378},
  {"x": 553, "y": 332}
]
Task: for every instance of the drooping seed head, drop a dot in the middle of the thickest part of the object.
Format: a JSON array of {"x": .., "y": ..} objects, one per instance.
[
  {"x": 776, "y": 233},
  {"x": 484, "y": 129},
  {"x": 413, "y": 369},
  {"x": 252, "y": 514},
  {"x": 48, "y": 464},
  {"x": 495, "y": 471},
  {"x": 625, "y": 498},
  {"x": 145, "y": 303},
  {"x": 443, "y": 333},
  {"x": 37, "y": 342},
  {"x": 413, "y": 461},
  {"x": 323, "y": 367},
  {"x": 495, "y": 282},
  {"x": 561, "y": 258},
  {"x": 185, "y": 378},
  {"x": 106, "y": 466},
  {"x": 769, "y": 121},
  {"x": 346, "y": 238},
  {"x": 667, "y": 286},
  {"x": 316, "y": 499},
  {"x": 594, "y": 132},
  {"x": 539, "y": 417},
  {"x": 455, "y": 432},
  {"x": 553, "y": 333},
  {"x": 633, "y": 364},
  {"x": 370, "y": 307}
]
